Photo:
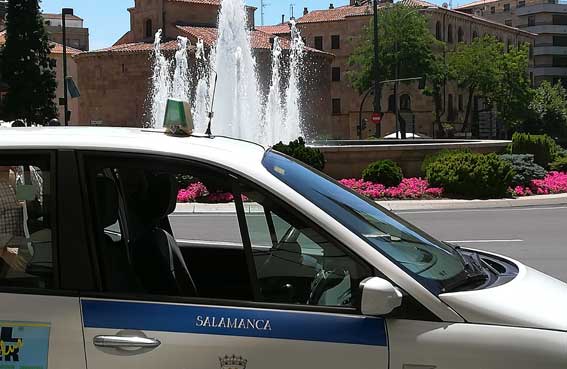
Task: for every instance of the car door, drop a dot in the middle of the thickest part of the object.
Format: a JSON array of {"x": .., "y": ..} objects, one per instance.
[
  {"x": 40, "y": 316},
  {"x": 250, "y": 310}
]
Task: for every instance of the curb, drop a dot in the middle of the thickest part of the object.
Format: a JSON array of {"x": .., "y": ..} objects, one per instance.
[
  {"x": 538, "y": 200},
  {"x": 399, "y": 205}
]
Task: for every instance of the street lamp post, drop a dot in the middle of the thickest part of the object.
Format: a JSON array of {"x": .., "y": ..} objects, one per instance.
[
  {"x": 65, "y": 12},
  {"x": 377, "y": 108}
]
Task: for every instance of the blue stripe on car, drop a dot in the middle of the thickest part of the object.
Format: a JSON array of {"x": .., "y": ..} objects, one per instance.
[{"x": 261, "y": 323}]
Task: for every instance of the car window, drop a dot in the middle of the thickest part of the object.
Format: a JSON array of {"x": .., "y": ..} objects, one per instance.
[
  {"x": 432, "y": 263},
  {"x": 143, "y": 207},
  {"x": 26, "y": 237},
  {"x": 295, "y": 263},
  {"x": 166, "y": 229}
]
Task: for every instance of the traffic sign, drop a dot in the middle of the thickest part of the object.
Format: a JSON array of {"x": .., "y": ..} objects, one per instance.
[{"x": 376, "y": 118}]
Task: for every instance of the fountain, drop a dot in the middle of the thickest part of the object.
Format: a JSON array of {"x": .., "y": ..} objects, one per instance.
[{"x": 240, "y": 109}]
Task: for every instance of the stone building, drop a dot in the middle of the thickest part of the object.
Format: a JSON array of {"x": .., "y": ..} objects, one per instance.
[
  {"x": 337, "y": 30},
  {"x": 77, "y": 35},
  {"x": 115, "y": 81},
  {"x": 547, "y": 18}
]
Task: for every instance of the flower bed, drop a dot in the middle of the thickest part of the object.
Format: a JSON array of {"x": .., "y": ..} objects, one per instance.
[
  {"x": 409, "y": 188},
  {"x": 197, "y": 192},
  {"x": 554, "y": 182}
]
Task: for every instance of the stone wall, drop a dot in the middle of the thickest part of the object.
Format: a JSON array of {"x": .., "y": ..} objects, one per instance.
[
  {"x": 114, "y": 88},
  {"x": 350, "y": 161}
]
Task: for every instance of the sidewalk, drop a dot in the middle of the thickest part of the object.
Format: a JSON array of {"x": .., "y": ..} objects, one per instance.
[{"x": 400, "y": 205}]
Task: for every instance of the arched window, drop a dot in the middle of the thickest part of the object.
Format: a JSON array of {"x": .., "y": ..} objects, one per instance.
[
  {"x": 149, "y": 28},
  {"x": 392, "y": 103},
  {"x": 405, "y": 102},
  {"x": 460, "y": 35},
  {"x": 438, "y": 31},
  {"x": 450, "y": 34}
]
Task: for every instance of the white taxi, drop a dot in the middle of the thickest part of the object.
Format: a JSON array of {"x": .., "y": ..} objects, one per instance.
[{"x": 265, "y": 264}]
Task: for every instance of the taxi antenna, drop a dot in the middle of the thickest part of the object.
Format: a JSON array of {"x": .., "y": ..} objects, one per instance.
[{"x": 211, "y": 113}]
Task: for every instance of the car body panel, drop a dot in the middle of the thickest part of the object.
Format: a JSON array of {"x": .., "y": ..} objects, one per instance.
[{"x": 532, "y": 299}]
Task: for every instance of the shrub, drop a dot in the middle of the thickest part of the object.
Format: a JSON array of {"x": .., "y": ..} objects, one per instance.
[
  {"x": 297, "y": 150},
  {"x": 559, "y": 165},
  {"x": 385, "y": 172},
  {"x": 525, "y": 168},
  {"x": 471, "y": 175},
  {"x": 542, "y": 147},
  {"x": 439, "y": 156}
]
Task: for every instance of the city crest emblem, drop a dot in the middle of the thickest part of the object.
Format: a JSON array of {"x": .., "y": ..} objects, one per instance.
[{"x": 232, "y": 362}]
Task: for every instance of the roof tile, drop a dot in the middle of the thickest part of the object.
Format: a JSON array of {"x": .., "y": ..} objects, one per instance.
[{"x": 336, "y": 14}]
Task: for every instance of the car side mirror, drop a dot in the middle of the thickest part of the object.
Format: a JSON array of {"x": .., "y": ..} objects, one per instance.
[{"x": 379, "y": 296}]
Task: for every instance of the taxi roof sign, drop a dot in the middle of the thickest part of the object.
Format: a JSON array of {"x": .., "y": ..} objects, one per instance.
[{"x": 178, "y": 120}]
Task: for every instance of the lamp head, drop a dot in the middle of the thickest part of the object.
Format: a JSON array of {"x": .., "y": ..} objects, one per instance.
[{"x": 178, "y": 120}]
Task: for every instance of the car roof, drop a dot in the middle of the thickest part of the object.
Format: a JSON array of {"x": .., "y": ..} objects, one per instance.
[{"x": 222, "y": 150}]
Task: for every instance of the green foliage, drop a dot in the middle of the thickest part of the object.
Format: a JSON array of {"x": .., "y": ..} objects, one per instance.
[
  {"x": 477, "y": 67},
  {"x": 26, "y": 67},
  {"x": 439, "y": 156},
  {"x": 525, "y": 168},
  {"x": 513, "y": 92},
  {"x": 471, "y": 175},
  {"x": 400, "y": 28},
  {"x": 542, "y": 147},
  {"x": 297, "y": 150},
  {"x": 559, "y": 165},
  {"x": 548, "y": 111},
  {"x": 385, "y": 172}
]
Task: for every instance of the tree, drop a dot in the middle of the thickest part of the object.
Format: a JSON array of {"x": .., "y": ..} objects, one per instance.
[
  {"x": 26, "y": 66},
  {"x": 404, "y": 40},
  {"x": 548, "y": 111},
  {"x": 437, "y": 77},
  {"x": 513, "y": 93},
  {"x": 477, "y": 68}
]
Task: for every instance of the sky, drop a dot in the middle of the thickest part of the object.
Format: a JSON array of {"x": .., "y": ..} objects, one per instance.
[{"x": 108, "y": 20}]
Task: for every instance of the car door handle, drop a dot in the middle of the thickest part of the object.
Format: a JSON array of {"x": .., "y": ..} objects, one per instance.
[{"x": 126, "y": 342}]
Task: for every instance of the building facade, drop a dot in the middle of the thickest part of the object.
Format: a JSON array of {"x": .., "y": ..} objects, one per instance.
[
  {"x": 77, "y": 35},
  {"x": 115, "y": 82},
  {"x": 547, "y": 18},
  {"x": 338, "y": 30}
]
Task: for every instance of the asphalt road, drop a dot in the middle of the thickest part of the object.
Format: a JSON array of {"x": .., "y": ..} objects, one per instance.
[{"x": 536, "y": 236}]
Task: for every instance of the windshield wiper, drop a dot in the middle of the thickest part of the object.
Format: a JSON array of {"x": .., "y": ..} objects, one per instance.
[{"x": 470, "y": 280}]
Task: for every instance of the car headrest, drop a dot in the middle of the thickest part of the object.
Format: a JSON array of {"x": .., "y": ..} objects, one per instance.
[
  {"x": 161, "y": 197},
  {"x": 106, "y": 201}
]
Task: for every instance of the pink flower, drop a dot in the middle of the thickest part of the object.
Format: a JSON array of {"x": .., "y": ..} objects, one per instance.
[{"x": 409, "y": 188}]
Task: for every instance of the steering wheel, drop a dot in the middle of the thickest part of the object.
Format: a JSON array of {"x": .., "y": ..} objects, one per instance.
[{"x": 324, "y": 281}]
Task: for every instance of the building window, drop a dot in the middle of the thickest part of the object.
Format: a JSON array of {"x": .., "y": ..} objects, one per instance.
[
  {"x": 450, "y": 109},
  {"x": 460, "y": 35},
  {"x": 461, "y": 104},
  {"x": 506, "y": 7},
  {"x": 336, "y": 74},
  {"x": 560, "y": 19},
  {"x": 559, "y": 61},
  {"x": 405, "y": 102},
  {"x": 48, "y": 23},
  {"x": 335, "y": 42},
  {"x": 450, "y": 34},
  {"x": 336, "y": 106},
  {"x": 508, "y": 45},
  {"x": 319, "y": 42},
  {"x": 492, "y": 9},
  {"x": 531, "y": 21},
  {"x": 438, "y": 31},
  {"x": 559, "y": 40},
  {"x": 508, "y": 22},
  {"x": 149, "y": 28},
  {"x": 474, "y": 35},
  {"x": 521, "y": 3},
  {"x": 551, "y": 1}
]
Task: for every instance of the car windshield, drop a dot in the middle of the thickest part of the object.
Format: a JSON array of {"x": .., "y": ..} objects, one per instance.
[{"x": 434, "y": 264}]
